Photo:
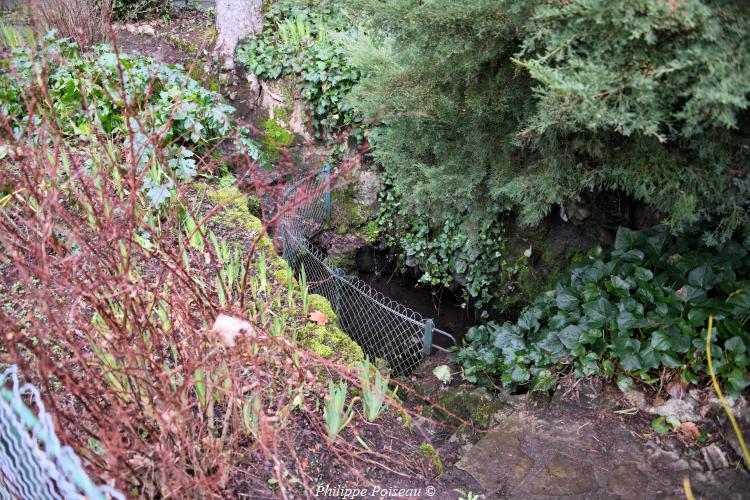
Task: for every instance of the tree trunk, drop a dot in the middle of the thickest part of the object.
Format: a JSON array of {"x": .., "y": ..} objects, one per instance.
[{"x": 236, "y": 19}]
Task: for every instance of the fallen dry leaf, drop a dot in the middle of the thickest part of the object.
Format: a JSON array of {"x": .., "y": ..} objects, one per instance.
[
  {"x": 658, "y": 401},
  {"x": 318, "y": 317},
  {"x": 704, "y": 409}
]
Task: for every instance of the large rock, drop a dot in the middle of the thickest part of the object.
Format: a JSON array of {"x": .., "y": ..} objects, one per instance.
[
  {"x": 563, "y": 476},
  {"x": 498, "y": 461}
]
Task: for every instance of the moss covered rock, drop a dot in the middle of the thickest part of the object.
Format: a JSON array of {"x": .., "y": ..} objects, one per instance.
[
  {"x": 327, "y": 340},
  {"x": 471, "y": 404}
]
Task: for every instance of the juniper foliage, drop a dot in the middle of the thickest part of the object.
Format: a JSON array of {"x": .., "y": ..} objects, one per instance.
[{"x": 526, "y": 104}]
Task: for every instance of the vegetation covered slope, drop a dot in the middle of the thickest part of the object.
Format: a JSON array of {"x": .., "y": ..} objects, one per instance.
[
  {"x": 526, "y": 104},
  {"x": 520, "y": 106}
]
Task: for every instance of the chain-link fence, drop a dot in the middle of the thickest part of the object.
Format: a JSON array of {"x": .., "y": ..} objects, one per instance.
[
  {"x": 33, "y": 463},
  {"x": 384, "y": 328}
]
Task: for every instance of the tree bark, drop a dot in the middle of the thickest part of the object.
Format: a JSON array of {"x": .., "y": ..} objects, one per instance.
[{"x": 236, "y": 19}]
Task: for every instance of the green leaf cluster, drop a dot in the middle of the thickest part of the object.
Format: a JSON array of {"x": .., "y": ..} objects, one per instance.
[
  {"x": 448, "y": 245},
  {"x": 532, "y": 102},
  {"x": 129, "y": 10},
  {"x": 642, "y": 309},
  {"x": 304, "y": 42},
  {"x": 87, "y": 94}
]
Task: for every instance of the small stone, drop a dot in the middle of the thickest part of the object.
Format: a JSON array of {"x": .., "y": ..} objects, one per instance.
[
  {"x": 147, "y": 29},
  {"x": 714, "y": 457},
  {"x": 228, "y": 328},
  {"x": 686, "y": 410},
  {"x": 233, "y": 95},
  {"x": 582, "y": 213},
  {"x": 637, "y": 399},
  {"x": 668, "y": 460}
]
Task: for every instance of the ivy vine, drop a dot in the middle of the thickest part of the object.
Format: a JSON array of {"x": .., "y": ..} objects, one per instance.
[{"x": 304, "y": 43}]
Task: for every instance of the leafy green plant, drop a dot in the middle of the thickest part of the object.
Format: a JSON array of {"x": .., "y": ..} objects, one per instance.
[
  {"x": 130, "y": 10},
  {"x": 374, "y": 390},
  {"x": 336, "y": 415},
  {"x": 298, "y": 42},
  {"x": 305, "y": 291},
  {"x": 531, "y": 103},
  {"x": 455, "y": 244},
  {"x": 87, "y": 97},
  {"x": 639, "y": 311}
]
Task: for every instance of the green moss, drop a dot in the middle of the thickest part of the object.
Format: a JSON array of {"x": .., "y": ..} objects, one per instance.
[
  {"x": 429, "y": 452},
  {"x": 346, "y": 262},
  {"x": 253, "y": 205},
  {"x": 235, "y": 212},
  {"x": 476, "y": 405},
  {"x": 280, "y": 276},
  {"x": 345, "y": 214},
  {"x": 275, "y": 137},
  {"x": 320, "y": 303},
  {"x": 281, "y": 114},
  {"x": 329, "y": 340},
  {"x": 371, "y": 232}
]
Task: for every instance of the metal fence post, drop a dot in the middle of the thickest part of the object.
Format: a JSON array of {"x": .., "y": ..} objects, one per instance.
[
  {"x": 327, "y": 206},
  {"x": 429, "y": 325}
]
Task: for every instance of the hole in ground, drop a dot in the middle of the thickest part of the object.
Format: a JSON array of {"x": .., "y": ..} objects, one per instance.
[{"x": 379, "y": 269}]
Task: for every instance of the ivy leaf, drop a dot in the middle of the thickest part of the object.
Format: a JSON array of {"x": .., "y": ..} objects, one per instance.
[
  {"x": 529, "y": 319},
  {"x": 702, "y": 277},
  {"x": 735, "y": 345},
  {"x": 443, "y": 374},
  {"x": 625, "y": 239},
  {"x": 624, "y": 383},
  {"x": 670, "y": 361},
  {"x": 659, "y": 424},
  {"x": 660, "y": 341},
  {"x": 648, "y": 359},
  {"x": 629, "y": 359},
  {"x": 520, "y": 374},
  {"x": 618, "y": 287},
  {"x": 626, "y": 321},
  {"x": 634, "y": 255},
  {"x": 566, "y": 300},
  {"x": 597, "y": 312},
  {"x": 740, "y": 301},
  {"x": 590, "y": 336},
  {"x": 570, "y": 336},
  {"x": 674, "y": 421},
  {"x": 737, "y": 381},
  {"x": 158, "y": 195},
  {"x": 643, "y": 274}
]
